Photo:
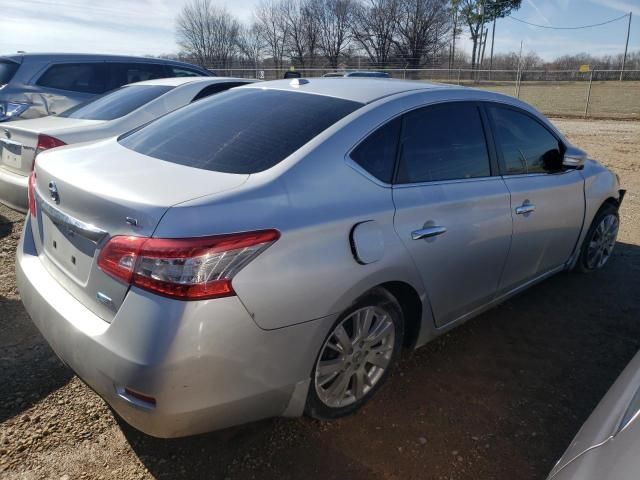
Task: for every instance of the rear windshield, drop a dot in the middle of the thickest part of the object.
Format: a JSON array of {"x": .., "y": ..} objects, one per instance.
[
  {"x": 7, "y": 71},
  {"x": 117, "y": 103},
  {"x": 239, "y": 131}
]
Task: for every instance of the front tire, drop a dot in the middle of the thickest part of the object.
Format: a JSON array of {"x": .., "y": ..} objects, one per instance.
[
  {"x": 356, "y": 356},
  {"x": 600, "y": 240}
]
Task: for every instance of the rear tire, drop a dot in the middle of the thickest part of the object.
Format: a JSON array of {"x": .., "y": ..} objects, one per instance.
[
  {"x": 600, "y": 240},
  {"x": 356, "y": 357}
]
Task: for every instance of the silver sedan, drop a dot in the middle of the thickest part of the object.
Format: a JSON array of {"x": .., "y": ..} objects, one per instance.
[
  {"x": 108, "y": 115},
  {"x": 270, "y": 252}
]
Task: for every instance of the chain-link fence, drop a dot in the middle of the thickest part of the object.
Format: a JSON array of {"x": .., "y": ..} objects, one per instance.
[{"x": 595, "y": 93}]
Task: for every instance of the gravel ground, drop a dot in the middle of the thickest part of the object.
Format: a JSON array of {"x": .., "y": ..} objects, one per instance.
[{"x": 500, "y": 397}]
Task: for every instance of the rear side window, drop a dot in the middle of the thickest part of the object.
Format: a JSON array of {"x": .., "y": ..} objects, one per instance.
[
  {"x": 443, "y": 142},
  {"x": 525, "y": 145},
  {"x": 7, "y": 71},
  {"x": 239, "y": 131},
  {"x": 116, "y": 104},
  {"x": 377, "y": 153},
  {"x": 216, "y": 88},
  {"x": 183, "y": 72},
  {"x": 75, "y": 77}
]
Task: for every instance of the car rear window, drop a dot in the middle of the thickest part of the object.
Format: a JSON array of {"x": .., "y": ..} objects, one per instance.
[
  {"x": 117, "y": 103},
  {"x": 7, "y": 71},
  {"x": 239, "y": 131}
]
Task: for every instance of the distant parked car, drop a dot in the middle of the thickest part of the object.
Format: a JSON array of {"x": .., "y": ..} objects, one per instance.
[
  {"x": 364, "y": 73},
  {"x": 37, "y": 84},
  {"x": 109, "y": 115},
  {"x": 271, "y": 250},
  {"x": 608, "y": 444}
]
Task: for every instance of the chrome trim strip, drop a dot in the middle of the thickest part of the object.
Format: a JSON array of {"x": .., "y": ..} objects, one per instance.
[{"x": 72, "y": 224}]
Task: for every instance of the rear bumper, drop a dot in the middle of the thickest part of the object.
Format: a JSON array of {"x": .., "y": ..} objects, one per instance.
[
  {"x": 13, "y": 190},
  {"x": 207, "y": 364}
]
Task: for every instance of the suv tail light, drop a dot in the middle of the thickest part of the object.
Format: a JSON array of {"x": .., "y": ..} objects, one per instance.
[
  {"x": 31, "y": 191},
  {"x": 183, "y": 268},
  {"x": 45, "y": 142}
]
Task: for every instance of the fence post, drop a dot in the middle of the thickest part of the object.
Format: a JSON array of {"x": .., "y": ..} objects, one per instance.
[
  {"x": 586, "y": 106},
  {"x": 459, "y": 72}
]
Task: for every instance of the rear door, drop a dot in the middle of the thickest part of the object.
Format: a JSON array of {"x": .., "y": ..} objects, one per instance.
[
  {"x": 547, "y": 202},
  {"x": 67, "y": 84},
  {"x": 451, "y": 213}
]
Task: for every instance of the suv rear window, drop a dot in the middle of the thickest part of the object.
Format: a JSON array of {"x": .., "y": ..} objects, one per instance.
[
  {"x": 116, "y": 104},
  {"x": 239, "y": 131},
  {"x": 7, "y": 71}
]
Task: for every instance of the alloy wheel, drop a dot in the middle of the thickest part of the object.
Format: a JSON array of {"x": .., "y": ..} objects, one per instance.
[
  {"x": 602, "y": 241},
  {"x": 354, "y": 357}
]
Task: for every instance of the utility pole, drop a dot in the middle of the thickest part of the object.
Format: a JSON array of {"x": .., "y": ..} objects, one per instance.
[
  {"x": 626, "y": 46},
  {"x": 493, "y": 39}
]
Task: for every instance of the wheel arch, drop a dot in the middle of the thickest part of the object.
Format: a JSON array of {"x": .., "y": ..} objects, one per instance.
[{"x": 411, "y": 306}]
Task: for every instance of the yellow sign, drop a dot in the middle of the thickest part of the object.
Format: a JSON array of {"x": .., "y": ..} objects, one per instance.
[{"x": 584, "y": 68}]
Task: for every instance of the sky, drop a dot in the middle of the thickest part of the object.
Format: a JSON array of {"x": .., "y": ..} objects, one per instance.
[{"x": 146, "y": 27}]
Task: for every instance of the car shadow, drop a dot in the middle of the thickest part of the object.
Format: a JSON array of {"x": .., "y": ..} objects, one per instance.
[
  {"x": 29, "y": 370},
  {"x": 499, "y": 397},
  {"x": 6, "y": 226}
]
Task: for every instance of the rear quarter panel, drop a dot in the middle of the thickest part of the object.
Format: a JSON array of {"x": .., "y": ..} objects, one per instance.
[{"x": 314, "y": 198}]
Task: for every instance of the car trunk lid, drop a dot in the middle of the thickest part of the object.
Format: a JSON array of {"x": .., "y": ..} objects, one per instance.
[
  {"x": 19, "y": 139},
  {"x": 87, "y": 194}
]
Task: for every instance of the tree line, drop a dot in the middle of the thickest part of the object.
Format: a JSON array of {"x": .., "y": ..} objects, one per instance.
[
  {"x": 361, "y": 33},
  {"x": 328, "y": 33}
]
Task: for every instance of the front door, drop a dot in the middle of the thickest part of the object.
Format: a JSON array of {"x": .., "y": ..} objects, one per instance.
[
  {"x": 547, "y": 202},
  {"x": 451, "y": 214}
]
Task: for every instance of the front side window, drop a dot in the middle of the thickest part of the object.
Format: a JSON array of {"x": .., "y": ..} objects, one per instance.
[
  {"x": 116, "y": 104},
  {"x": 443, "y": 142},
  {"x": 75, "y": 77},
  {"x": 525, "y": 145},
  {"x": 184, "y": 72},
  {"x": 124, "y": 73},
  {"x": 377, "y": 153},
  {"x": 239, "y": 131}
]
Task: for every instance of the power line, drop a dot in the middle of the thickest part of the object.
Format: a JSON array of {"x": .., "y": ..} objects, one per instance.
[{"x": 569, "y": 28}]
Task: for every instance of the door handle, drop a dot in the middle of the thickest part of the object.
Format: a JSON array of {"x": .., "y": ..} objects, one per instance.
[
  {"x": 428, "y": 232},
  {"x": 525, "y": 208}
]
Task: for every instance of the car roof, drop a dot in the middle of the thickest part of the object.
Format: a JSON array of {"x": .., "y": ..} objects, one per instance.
[
  {"x": 177, "y": 81},
  {"x": 356, "y": 89},
  {"x": 89, "y": 56}
]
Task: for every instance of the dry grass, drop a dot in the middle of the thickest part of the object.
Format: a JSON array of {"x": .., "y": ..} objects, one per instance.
[{"x": 609, "y": 99}]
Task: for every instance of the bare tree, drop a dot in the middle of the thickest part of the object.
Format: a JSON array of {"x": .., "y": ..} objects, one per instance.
[
  {"x": 374, "y": 25},
  {"x": 273, "y": 28},
  {"x": 251, "y": 43},
  {"x": 303, "y": 31},
  {"x": 334, "y": 19},
  {"x": 423, "y": 30},
  {"x": 207, "y": 33}
]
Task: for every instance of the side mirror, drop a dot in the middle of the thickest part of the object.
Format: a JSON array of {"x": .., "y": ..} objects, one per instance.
[{"x": 574, "y": 158}]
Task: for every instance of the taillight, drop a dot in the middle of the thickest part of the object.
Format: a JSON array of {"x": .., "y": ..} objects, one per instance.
[
  {"x": 183, "y": 268},
  {"x": 31, "y": 193},
  {"x": 45, "y": 142}
]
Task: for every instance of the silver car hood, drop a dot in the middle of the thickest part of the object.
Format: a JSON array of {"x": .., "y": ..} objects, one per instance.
[{"x": 602, "y": 441}]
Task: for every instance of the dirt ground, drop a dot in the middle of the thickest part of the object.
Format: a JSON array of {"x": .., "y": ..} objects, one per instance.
[{"x": 499, "y": 398}]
